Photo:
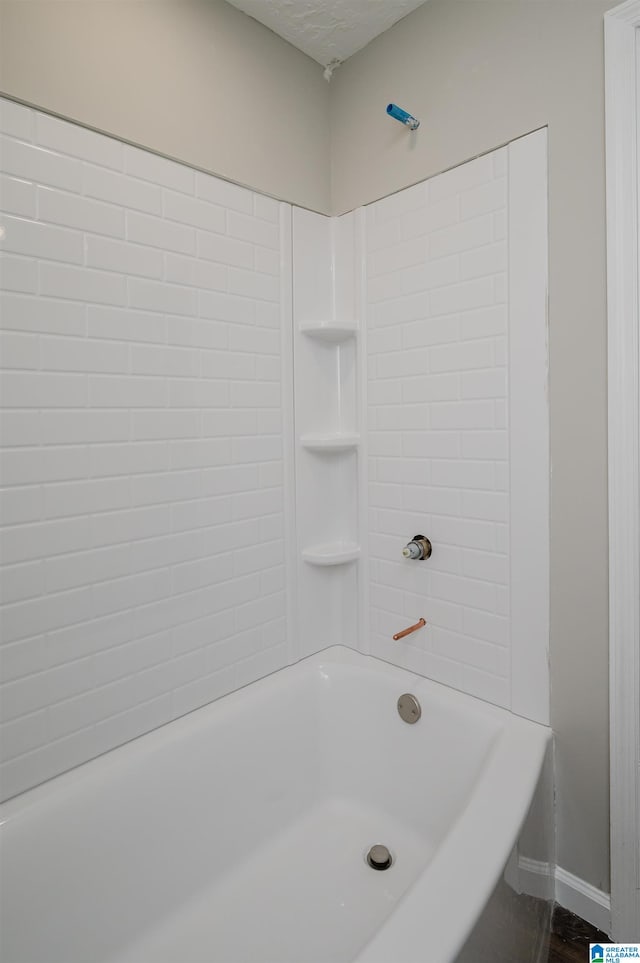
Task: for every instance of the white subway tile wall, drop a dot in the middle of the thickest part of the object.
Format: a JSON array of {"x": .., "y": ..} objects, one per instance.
[
  {"x": 437, "y": 270},
  {"x": 142, "y": 538}
]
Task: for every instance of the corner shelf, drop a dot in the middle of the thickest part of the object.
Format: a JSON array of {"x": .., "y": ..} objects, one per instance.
[
  {"x": 337, "y": 553},
  {"x": 332, "y": 331},
  {"x": 331, "y": 441}
]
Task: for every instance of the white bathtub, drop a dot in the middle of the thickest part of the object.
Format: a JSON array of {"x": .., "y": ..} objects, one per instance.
[{"x": 238, "y": 834}]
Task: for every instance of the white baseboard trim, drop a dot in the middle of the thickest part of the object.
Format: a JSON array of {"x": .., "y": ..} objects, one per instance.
[
  {"x": 584, "y": 900},
  {"x": 536, "y": 878}
]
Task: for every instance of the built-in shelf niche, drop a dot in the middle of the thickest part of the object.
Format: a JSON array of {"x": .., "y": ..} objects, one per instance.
[
  {"x": 326, "y": 387},
  {"x": 326, "y": 381},
  {"x": 336, "y": 553}
]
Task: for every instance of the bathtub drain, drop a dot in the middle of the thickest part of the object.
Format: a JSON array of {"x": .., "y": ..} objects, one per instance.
[{"x": 379, "y": 857}]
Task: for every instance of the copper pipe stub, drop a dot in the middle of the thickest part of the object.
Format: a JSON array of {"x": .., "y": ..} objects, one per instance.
[{"x": 412, "y": 628}]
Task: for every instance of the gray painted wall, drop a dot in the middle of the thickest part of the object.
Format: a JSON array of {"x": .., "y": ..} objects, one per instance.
[
  {"x": 194, "y": 79},
  {"x": 167, "y": 73}
]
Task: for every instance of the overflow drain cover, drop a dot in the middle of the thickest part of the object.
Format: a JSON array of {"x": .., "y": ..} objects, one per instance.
[
  {"x": 379, "y": 857},
  {"x": 409, "y": 708}
]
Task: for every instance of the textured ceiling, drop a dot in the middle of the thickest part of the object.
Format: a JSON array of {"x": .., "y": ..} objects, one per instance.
[{"x": 328, "y": 30}]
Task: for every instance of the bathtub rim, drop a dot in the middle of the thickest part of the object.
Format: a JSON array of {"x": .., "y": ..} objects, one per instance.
[{"x": 173, "y": 730}]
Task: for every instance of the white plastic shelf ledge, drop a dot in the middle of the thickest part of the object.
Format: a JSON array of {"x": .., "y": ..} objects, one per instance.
[
  {"x": 333, "y": 331},
  {"x": 330, "y": 441},
  {"x": 336, "y": 553}
]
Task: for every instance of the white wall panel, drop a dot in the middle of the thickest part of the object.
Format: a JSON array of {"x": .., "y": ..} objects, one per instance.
[
  {"x": 142, "y": 507},
  {"x": 458, "y": 426}
]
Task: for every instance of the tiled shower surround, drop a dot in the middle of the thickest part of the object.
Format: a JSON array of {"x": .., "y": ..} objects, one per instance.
[
  {"x": 142, "y": 508},
  {"x": 151, "y": 558},
  {"x": 438, "y": 440}
]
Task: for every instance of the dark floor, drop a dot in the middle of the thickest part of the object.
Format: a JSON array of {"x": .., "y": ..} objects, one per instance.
[{"x": 570, "y": 938}]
